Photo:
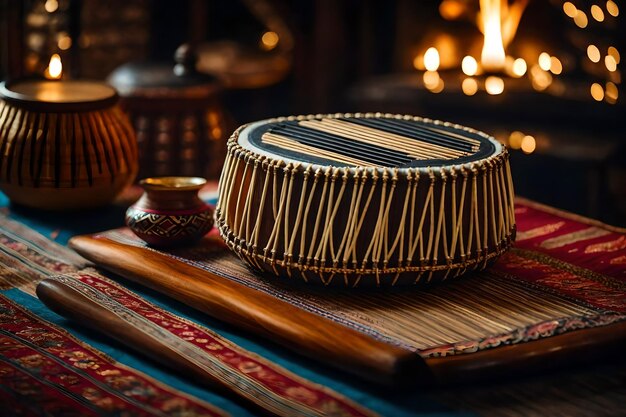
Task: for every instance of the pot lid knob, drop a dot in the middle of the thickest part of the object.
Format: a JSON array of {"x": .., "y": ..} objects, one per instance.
[{"x": 186, "y": 59}]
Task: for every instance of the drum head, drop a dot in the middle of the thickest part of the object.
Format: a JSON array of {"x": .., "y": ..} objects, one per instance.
[{"x": 392, "y": 142}]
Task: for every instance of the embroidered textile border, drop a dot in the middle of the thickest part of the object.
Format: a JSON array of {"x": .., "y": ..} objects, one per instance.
[{"x": 28, "y": 251}]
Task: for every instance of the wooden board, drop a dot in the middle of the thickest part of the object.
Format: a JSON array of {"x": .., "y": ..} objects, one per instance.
[{"x": 328, "y": 341}]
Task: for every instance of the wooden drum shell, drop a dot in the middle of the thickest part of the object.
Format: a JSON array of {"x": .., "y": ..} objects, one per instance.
[{"x": 435, "y": 223}]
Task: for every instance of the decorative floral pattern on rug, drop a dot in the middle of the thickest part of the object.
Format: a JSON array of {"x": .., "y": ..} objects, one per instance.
[
  {"x": 253, "y": 377},
  {"x": 41, "y": 361}
]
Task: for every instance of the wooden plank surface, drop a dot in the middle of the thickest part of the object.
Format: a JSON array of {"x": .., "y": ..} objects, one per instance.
[{"x": 332, "y": 343}]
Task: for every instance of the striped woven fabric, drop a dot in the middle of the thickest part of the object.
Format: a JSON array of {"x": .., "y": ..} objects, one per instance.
[
  {"x": 532, "y": 292},
  {"x": 46, "y": 371},
  {"x": 27, "y": 257}
]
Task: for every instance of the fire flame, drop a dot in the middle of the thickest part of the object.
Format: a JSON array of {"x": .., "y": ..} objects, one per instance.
[
  {"x": 55, "y": 68},
  {"x": 498, "y": 21}
]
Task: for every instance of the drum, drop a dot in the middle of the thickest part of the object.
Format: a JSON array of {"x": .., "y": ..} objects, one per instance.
[{"x": 365, "y": 200}]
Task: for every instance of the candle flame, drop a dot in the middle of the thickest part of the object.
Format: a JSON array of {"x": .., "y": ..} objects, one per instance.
[
  {"x": 469, "y": 86},
  {"x": 494, "y": 85},
  {"x": 498, "y": 22},
  {"x": 469, "y": 66},
  {"x": 529, "y": 144},
  {"x": 519, "y": 67},
  {"x": 611, "y": 93},
  {"x": 431, "y": 59},
  {"x": 597, "y": 92},
  {"x": 269, "y": 40},
  {"x": 55, "y": 68}
]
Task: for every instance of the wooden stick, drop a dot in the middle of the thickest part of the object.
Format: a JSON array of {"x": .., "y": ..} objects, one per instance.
[
  {"x": 415, "y": 148},
  {"x": 298, "y": 330},
  {"x": 344, "y": 144},
  {"x": 290, "y": 144}
]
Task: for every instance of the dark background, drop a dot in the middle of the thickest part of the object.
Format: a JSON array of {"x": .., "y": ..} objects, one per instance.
[{"x": 350, "y": 55}]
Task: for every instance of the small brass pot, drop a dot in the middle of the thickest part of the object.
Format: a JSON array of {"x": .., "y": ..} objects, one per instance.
[{"x": 170, "y": 212}]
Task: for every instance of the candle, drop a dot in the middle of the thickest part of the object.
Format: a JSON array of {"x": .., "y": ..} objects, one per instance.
[{"x": 55, "y": 68}]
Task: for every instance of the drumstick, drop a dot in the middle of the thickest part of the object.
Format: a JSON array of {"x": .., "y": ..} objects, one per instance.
[{"x": 262, "y": 314}]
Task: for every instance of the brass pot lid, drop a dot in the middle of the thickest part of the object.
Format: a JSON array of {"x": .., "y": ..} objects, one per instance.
[
  {"x": 59, "y": 96},
  {"x": 162, "y": 80}
]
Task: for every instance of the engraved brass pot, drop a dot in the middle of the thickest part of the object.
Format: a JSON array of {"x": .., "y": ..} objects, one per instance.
[{"x": 170, "y": 212}]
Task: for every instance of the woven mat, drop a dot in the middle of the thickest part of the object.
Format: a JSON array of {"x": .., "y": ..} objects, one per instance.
[{"x": 565, "y": 273}]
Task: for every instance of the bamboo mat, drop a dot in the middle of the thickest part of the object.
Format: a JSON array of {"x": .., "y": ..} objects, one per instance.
[{"x": 488, "y": 309}]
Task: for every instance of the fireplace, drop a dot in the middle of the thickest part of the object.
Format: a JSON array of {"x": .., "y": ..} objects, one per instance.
[{"x": 544, "y": 77}]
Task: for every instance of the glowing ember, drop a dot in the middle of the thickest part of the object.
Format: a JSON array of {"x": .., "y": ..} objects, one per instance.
[
  {"x": 55, "y": 68},
  {"x": 431, "y": 59}
]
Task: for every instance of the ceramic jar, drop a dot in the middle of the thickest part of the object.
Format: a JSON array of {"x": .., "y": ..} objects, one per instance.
[
  {"x": 170, "y": 212},
  {"x": 64, "y": 144},
  {"x": 177, "y": 113}
]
